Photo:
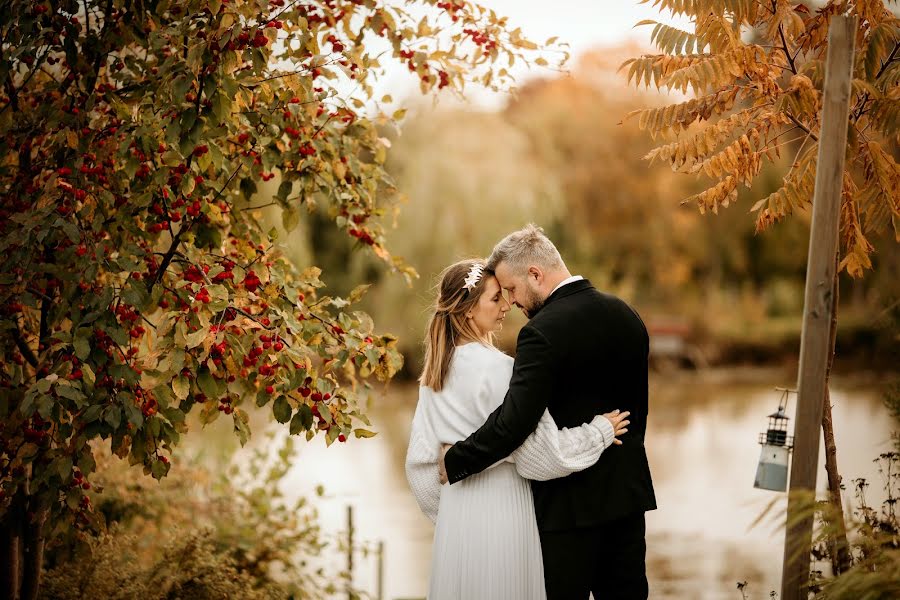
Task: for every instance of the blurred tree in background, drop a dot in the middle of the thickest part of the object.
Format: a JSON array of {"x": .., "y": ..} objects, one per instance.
[{"x": 560, "y": 153}]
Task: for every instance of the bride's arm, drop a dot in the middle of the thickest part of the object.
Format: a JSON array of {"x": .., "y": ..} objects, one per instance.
[
  {"x": 550, "y": 453},
  {"x": 421, "y": 465}
]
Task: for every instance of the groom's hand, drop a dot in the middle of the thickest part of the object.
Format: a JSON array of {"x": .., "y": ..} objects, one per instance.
[{"x": 442, "y": 469}]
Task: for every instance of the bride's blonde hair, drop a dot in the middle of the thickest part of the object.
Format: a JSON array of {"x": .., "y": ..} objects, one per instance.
[{"x": 448, "y": 324}]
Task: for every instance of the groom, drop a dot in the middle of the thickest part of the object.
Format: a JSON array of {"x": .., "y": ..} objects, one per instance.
[{"x": 583, "y": 353}]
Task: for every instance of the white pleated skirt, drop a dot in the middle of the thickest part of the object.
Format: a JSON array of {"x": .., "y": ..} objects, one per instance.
[{"x": 486, "y": 541}]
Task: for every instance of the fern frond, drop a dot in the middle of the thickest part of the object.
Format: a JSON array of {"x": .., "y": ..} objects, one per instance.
[
  {"x": 671, "y": 40},
  {"x": 653, "y": 69},
  {"x": 861, "y": 86},
  {"x": 721, "y": 194},
  {"x": 678, "y": 117},
  {"x": 785, "y": 21},
  {"x": 816, "y": 27},
  {"x": 796, "y": 193},
  {"x": 879, "y": 45},
  {"x": 745, "y": 11},
  {"x": 891, "y": 77},
  {"x": 687, "y": 151},
  {"x": 716, "y": 71},
  {"x": 801, "y": 97},
  {"x": 880, "y": 199},
  {"x": 885, "y": 117},
  {"x": 738, "y": 158},
  {"x": 717, "y": 33},
  {"x": 742, "y": 158},
  {"x": 857, "y": 248},
  {"x": 815, "y": 70}
]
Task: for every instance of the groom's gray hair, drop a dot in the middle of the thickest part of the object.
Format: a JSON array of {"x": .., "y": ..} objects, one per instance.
[{"x": 527, "y": 246}]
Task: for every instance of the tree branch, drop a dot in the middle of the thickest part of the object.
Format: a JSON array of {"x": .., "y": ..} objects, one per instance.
[
  {"x": 802, "y": 126},
  {"x": 176, "y": 241},
  {"x": 784, "y": 47},
  {"x": 862, "y": 105},
  {"x": 23, "y": 347}
]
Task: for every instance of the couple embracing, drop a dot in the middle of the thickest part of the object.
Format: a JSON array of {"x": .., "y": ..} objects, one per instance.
[{"x": 534, "y": 469}]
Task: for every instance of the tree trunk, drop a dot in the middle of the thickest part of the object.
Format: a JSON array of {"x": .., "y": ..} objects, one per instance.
[
  {"x": 11, "y": 530},
  {"x": 33, "y": 555},
  {"x": 840, "y": 549}
]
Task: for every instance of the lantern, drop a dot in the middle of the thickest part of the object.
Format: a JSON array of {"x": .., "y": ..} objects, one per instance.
[{"x": 771, "y": 474}]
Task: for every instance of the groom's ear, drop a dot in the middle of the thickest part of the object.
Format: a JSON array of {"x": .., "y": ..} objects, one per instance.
[{"x": 535, "y": 272}]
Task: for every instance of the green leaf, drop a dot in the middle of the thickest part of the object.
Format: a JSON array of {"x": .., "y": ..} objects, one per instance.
[
  {"x": 281, "y": 409},
  {"x": 208, "y": 384},
  {"x": 290, "y": 218},
  {"x": 209, "y": 413},
  {"x": 159, "y": 469},
  {"x": 364, "y": 433},
  {"x": 70, "y": 392},
  {"x": 82, "y": 345},
  {"x": 241, "y": 425},
  {"x": 136, "y": 295},
  {"x": 192, "y": 340},
  {"x": 113, "y": 416},
  {"x": 135, "y": 417},
  {"x": 181, "y": 386},
  {"x": 284, "y": 189},
  {"x": 92, "y": 413},
  {"x": 64, "y": 468},
  {"x": 297, "y": 424},
  {"x": 88, "y": 376}
]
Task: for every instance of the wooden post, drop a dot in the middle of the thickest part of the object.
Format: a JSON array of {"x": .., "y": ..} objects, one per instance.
[
  {"x": 814, "y": 346},
  {"x": 379, "y": 590},
  {"x": 350, "y": 593}
]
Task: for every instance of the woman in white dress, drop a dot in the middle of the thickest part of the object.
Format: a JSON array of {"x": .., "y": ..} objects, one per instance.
[{"x": 486, "y": 543}]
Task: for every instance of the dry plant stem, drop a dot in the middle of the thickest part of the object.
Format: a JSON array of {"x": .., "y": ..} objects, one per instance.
[{"x": 840, "y": 554}]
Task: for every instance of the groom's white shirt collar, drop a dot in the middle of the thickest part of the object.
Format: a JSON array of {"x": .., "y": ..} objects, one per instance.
[{"x": 566, "y": 281}]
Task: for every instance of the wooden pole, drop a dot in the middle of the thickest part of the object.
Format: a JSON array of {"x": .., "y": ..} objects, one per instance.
[
  {"x": 350, "y": 593},
  {"x": 814, "y": 346},
  {"x": 379, "y": 593}
]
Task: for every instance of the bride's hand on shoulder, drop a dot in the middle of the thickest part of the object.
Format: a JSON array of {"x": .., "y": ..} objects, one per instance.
[{"x": 619, "y": 421}]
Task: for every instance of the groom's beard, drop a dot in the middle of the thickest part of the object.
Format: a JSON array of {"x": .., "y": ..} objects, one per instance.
[{"x": 535, "y": 303}]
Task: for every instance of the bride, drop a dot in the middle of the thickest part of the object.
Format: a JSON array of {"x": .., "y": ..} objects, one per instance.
[{"x": 486, "y": 543}]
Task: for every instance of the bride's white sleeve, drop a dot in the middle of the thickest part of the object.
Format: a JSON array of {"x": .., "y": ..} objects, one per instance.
[
  {"x": 422, "y": 465},
  {"x": 550, "y": 453}
]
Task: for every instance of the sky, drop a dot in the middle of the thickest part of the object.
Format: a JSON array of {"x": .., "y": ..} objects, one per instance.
[{"x": 583, "y": 24}]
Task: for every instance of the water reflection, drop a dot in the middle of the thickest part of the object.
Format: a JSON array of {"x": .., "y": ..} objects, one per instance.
[{"x": 702, "y": 449}]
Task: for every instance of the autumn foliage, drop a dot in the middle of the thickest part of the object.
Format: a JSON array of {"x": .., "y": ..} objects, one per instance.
[
  {"x": 138, "y": 283},
  {"x": 752, "y": 75}
]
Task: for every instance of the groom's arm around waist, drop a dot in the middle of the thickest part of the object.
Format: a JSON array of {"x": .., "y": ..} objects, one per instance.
[{"x": 514, "y": 420}]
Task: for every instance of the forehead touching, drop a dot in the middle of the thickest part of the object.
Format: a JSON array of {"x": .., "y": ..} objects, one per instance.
[
  {"x": 506, "y": 275},
  {"x": 491, "y": 286}
]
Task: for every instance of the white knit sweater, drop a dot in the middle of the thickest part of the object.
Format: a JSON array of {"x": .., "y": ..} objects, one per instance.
[{"x": 476, "y": 384}]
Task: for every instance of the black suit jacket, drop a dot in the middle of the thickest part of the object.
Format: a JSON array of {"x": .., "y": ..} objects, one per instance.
[{"x": 583, "y": 354}]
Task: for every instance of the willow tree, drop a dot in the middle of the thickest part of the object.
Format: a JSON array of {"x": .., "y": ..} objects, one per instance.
[
  {"x": 752, "y": 72},
  {"x": 137, "y": 282}
]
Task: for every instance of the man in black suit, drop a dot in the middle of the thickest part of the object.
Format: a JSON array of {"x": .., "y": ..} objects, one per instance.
[{"x": 582, "y": 353}]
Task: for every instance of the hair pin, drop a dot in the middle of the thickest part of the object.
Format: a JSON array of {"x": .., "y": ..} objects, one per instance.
[{"x": 474, "y": 276}]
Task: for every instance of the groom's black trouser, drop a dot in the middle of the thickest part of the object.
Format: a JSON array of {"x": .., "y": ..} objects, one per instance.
[{"x": 606, "y": 560}]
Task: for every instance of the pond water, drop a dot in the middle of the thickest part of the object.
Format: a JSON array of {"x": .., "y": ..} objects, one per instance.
[{"x": 703, "y": 452}]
